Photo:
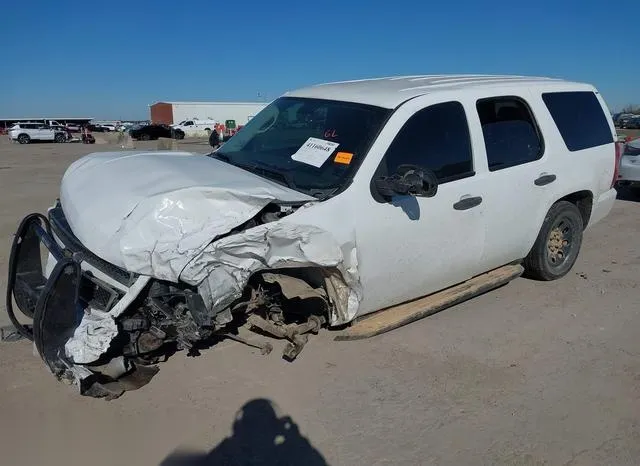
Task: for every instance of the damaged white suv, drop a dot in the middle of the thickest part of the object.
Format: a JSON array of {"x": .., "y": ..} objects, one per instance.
[{"x": 335, "y": 201}]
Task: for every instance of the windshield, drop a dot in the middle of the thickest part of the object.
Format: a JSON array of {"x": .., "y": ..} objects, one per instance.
[{"x": 311, "y": 145}]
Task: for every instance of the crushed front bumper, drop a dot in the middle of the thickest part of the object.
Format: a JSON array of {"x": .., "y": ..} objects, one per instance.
[{"x": 57, "y": 303}]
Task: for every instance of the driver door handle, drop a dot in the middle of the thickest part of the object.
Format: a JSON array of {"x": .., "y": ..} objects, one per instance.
[
  {"x": 544, "y": 179},
  {"x": 467, "y": 203}
]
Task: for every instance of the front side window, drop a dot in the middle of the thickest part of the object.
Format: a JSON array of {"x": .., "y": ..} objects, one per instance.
[
  {"x": 270, "y": 144},
  {"x": 511, "y": 136},
  {"x": 436, "y": 138},
  {"x": 188, "y": 123}
]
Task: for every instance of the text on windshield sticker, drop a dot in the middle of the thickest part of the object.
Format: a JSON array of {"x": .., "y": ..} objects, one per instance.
[{"x": 315, "y": 152}]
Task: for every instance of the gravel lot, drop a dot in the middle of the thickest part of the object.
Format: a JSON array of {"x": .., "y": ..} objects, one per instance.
[{"x": 530, "y": 374}]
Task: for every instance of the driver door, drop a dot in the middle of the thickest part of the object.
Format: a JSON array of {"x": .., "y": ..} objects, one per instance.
[{"x": 409, "y": 246}]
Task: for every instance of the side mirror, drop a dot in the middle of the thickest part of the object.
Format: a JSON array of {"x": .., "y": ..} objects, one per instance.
[{"x": 409, "y": 180}]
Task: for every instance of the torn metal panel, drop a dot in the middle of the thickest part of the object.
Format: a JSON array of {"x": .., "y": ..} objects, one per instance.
[
  {"x": 344, "y": 300},
  {"x": 292, "y": 287},
  {"x": 224, "y": 267},
  {"x": 155, "y": 221}
]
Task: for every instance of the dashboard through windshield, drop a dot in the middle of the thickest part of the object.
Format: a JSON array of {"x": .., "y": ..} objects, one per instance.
[{"x": 310, "y": 145}]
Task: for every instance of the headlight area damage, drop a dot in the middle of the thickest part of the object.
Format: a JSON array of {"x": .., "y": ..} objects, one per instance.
[{"x": 104, "y": 328}]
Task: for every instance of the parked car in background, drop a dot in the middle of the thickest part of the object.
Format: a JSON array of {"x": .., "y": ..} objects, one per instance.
[
  {"x": 196, "y": 127},
  {"x": 629, "y": 174},
  {"x": 125, "y": 126},
  {"x": 622, "y": 120},
  {"x": 73, "y": 127},
  {"x": 96, "y": 128},
  {"x": 632, "y": 123},
  {"x": 25, "y": 133},
  {"x": 152, "y": 132},
  {"x": 53, "y": 123}
]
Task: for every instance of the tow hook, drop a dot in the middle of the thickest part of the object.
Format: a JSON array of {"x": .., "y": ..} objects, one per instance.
[{"x": 297, "y": 334}]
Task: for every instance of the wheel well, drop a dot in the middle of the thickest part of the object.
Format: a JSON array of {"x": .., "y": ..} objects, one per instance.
[{"x": 583, "y": 200}]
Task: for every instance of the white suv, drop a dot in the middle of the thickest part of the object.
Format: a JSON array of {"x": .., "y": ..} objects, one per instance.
[
  {"x": 405, "y": 195},
  {"x": 25, "y": 133}
]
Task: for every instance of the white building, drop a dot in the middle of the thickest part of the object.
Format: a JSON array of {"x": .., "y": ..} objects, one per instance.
[{"x": 175, "y": 112}]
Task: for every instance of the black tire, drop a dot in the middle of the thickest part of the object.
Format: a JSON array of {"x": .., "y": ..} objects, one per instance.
[
  {"x": 24, "y": 139},
  {"x": 557, "y": 245},
  {"x": 59, "y": 138},
  {"x": 145, "y": 137},
  {"x": 179, "y": 134}
]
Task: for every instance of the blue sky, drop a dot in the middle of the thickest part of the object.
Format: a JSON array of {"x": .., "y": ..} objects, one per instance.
[{"x": 112, "y": 59}]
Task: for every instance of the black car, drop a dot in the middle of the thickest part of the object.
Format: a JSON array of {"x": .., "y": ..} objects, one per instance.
[
  {"x": 96, "y": 128},
  {"x": 153, "y": 132},
  {"x": 632, "y": 123}
]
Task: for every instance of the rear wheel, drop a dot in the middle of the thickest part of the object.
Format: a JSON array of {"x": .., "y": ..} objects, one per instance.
[
  {"x": 557, "y": 245},
  {"x": 145, "y": 137},
  {"x": 24, "y": 139}
]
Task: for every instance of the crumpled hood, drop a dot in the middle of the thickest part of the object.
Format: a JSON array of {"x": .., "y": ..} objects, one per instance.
[{"x": 152, "y": 212}]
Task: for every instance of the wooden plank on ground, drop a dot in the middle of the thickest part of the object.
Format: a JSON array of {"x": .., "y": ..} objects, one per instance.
[{"x": 397, "y": 316}]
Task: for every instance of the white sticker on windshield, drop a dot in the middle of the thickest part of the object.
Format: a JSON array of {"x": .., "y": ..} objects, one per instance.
[{"x": 315, "y": 152}]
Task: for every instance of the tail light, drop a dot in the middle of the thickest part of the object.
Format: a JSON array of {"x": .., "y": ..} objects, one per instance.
[{"x": 616, "y": 170}]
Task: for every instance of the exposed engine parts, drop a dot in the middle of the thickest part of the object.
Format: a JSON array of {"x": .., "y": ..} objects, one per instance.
[
  {"x": 106, "y": 335},
  {"x": 169, "y": 318},
  {"x": 295, "y": 333}
]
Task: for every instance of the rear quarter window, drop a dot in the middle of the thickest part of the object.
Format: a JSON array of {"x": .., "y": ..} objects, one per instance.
[{"x": 579, "y": 118}]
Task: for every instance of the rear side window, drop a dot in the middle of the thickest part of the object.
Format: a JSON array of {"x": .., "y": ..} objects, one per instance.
[
  {"x": 579, "y": 118},
  {"x": 511, "y": 136},
  {"x": 437, "y": 138}
]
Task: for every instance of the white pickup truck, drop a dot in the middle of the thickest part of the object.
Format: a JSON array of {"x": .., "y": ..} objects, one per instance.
[
  {"x": 195, "y": 127},
  {"x": 359, "y": 206}
]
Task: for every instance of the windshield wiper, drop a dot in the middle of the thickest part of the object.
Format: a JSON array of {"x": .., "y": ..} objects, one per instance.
[
  {"x": 270, "y": 173},
  {"x": 265, "y": 171},
  {"x": 221, "y": 156}
]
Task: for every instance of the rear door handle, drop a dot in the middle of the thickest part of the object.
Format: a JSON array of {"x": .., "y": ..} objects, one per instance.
[
  {"x": 544, "y": 179},
  {"x": 467, "y": 203}
]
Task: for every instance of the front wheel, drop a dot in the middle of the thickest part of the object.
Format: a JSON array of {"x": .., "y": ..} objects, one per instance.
[
  {"x": 24, "y": 139},
  {"x": 557, "y": 245},
  {"x": 145, "y": 137}
]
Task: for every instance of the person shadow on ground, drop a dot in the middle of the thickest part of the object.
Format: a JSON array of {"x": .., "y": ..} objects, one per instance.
[{"x": 259, "y": 437}]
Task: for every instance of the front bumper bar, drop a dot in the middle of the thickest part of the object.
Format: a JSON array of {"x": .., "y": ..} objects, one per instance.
[
  {"x": 56, "y": 305},
  {"x": 53, "y": 302}
]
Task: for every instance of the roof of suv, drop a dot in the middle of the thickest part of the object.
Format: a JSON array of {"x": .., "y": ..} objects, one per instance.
[{"x": 392, "y": 91}]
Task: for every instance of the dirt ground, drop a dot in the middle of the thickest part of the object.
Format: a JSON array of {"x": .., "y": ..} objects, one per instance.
[{"x": 530, "y": 374}]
